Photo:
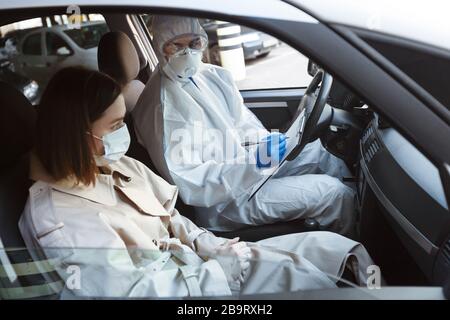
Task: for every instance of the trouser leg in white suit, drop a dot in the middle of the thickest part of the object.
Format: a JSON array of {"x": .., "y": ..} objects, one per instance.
[
  {"x": 304, "y": 261},
  {"x": 308, "y": 187}
]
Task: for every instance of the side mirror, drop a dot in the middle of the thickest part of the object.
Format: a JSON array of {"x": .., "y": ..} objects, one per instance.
[
  {"x": 312, "y": 68},
  {"x": 63, "y": 51}
]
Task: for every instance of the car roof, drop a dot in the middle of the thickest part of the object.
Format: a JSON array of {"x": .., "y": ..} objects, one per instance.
[
  {"x": 424, "y": 21},
  {"x": 418, "y": 20},
  {"x": 258, "y": 8}
]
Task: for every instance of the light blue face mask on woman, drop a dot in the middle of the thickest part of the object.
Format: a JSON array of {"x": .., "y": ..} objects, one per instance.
[{"x": 116, "y": 144}]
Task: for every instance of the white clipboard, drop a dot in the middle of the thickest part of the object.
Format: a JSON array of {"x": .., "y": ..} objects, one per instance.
[{"x": 294, "y": 135}]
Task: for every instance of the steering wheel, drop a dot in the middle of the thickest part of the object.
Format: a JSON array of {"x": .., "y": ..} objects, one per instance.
[{"x": 313, "y": 105}]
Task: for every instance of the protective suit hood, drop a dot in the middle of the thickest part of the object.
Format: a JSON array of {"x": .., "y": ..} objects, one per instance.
[{"x": 164, "y": 29}]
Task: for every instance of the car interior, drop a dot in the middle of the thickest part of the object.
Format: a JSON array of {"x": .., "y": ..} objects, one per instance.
[{"x": 394, "y": 180}]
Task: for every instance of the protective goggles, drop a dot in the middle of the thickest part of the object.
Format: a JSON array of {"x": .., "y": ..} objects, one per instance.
[{"x": 178, "y": 45}]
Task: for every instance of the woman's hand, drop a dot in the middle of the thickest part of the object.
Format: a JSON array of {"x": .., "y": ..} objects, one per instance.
[{"x": 234, "y": 257}]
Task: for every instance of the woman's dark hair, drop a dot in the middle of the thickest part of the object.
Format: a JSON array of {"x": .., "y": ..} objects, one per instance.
[{"x": 74, "y": 98}]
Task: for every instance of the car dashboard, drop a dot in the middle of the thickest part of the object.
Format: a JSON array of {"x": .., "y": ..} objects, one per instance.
[{"x": 409, "y": 195}]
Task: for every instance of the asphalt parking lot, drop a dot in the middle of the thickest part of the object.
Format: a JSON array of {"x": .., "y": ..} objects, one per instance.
[{"x": 284, "y": 67}]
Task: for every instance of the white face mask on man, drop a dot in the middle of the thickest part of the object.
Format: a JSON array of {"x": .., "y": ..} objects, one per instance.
[
  {"x": 185, "y": 64},
  {"x": 115, "y": 143}
]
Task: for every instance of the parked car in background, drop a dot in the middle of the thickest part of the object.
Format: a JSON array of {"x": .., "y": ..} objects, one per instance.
[
  {"x": 44, "y": 51},
  {"x": 11, "y": 39},
  {"x": 28, "y": 87}
]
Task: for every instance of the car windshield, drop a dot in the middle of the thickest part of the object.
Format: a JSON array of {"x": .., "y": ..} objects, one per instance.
[{"x": 87, "y": 36}]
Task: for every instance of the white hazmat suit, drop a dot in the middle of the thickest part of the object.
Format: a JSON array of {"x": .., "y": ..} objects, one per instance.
[{"x": 173, "y": 112}]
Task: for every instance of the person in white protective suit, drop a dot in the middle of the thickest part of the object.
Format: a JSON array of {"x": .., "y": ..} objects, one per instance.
[
  {"x": 186, "y": 98},
  {"x": 94, "y": 209}
]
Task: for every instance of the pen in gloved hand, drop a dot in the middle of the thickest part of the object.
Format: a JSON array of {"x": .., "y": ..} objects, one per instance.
[{"x": 248, "y": 143}]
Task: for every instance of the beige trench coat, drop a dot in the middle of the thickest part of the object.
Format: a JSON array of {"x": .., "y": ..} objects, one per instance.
[{"x": 126, "y": 238}]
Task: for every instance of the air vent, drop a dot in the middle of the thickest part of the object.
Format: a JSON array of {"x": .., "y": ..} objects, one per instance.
[
  {"x": 367, "y": 134},
  {"x": 370, "y": 144}
]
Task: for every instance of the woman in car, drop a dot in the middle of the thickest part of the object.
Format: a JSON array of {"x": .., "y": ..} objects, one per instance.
[{"x": 93, "y": 209}]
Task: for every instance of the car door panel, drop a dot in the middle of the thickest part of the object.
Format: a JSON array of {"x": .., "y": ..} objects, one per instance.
[{"x": 273, "y": 107}]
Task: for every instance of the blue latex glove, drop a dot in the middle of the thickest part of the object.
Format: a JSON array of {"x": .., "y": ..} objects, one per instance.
[{"x": 271, "y": 150}]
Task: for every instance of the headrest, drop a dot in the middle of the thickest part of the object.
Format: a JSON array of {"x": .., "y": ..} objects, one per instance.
[
  {"x": 117, "y": 57},
  {"x": 17, "y": 123}
]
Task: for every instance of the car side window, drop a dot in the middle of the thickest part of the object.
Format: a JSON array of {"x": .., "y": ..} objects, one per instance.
[
  {"x": 34, "y": 49},
  {"x": 56, "y": 45},
  {"x": 257, "y": 60},
  {"x": 88, "y": 36},
  {"x": 32, "y": 45}
]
